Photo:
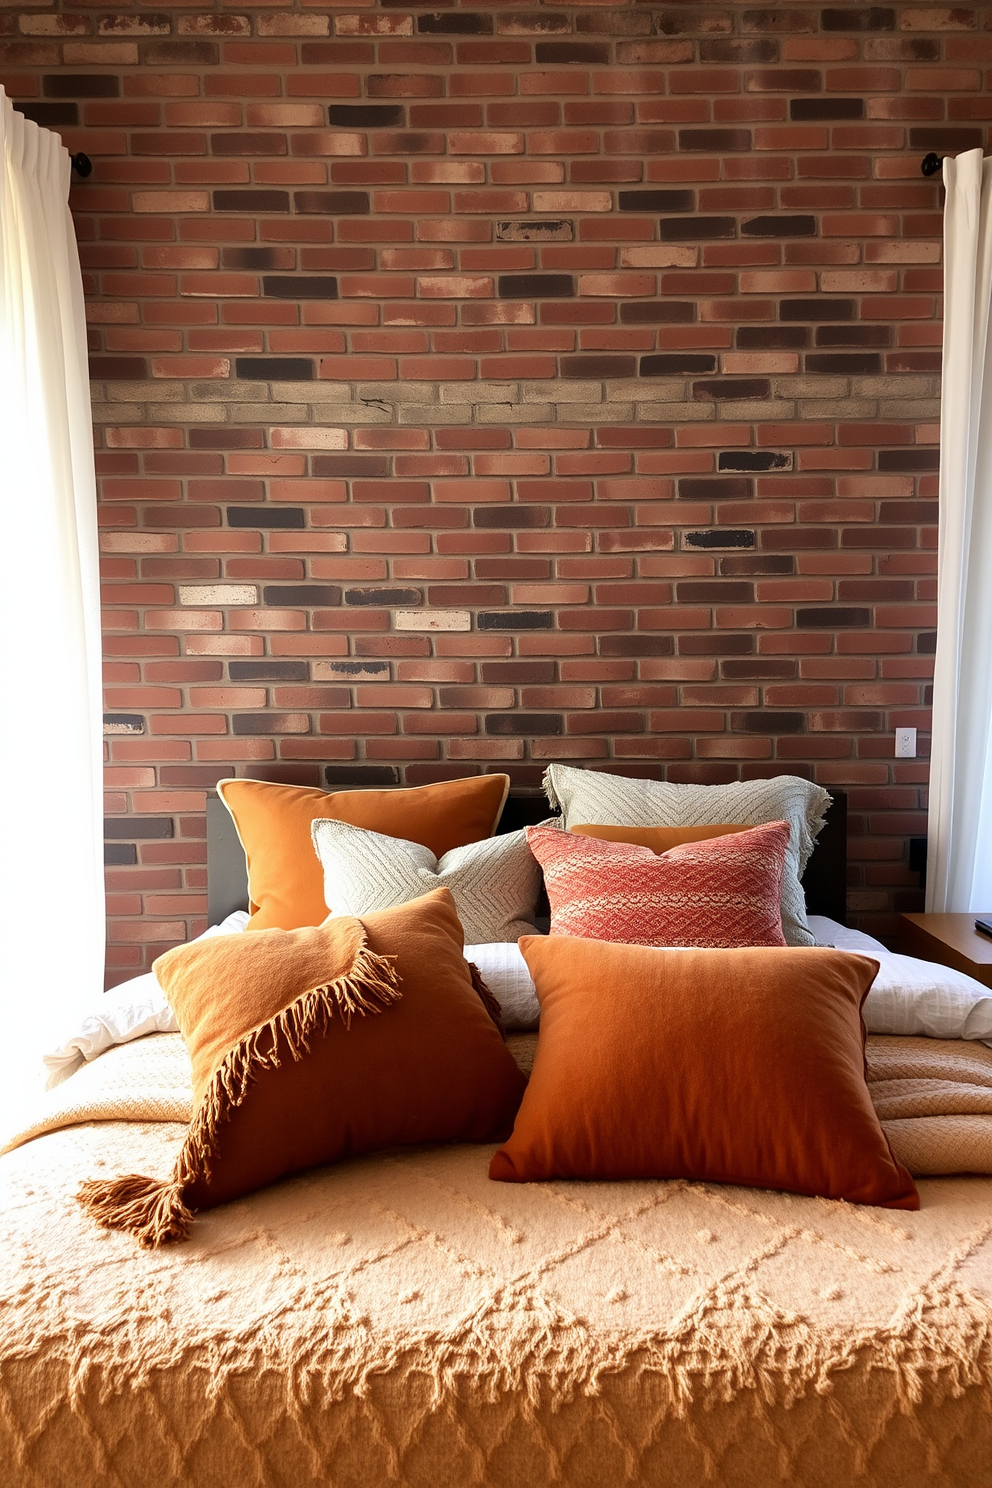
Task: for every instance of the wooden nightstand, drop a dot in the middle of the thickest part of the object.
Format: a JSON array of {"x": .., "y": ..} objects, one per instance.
[{"x": 950, "y": 939}]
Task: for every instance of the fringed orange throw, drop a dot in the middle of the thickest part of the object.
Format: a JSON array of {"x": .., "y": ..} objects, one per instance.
[{"x": 289, "y": 1071}]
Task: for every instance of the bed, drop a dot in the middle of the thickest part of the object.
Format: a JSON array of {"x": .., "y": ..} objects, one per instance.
[{"x": 400, "y": 1319}]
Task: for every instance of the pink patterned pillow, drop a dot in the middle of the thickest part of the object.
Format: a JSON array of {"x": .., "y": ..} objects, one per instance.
[{"x": 725, "y": 891}]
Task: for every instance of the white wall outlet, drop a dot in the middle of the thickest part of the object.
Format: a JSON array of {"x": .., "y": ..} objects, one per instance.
[{"x": 905, "y": 743}]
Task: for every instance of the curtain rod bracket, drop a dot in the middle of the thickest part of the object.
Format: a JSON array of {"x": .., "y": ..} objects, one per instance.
[
  {"x": 82, "y": 165},
  {"x": 931, "y": 164}
]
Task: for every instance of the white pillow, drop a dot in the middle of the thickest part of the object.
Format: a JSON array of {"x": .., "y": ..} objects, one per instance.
[
  {"x": 495, "y": 883},
  {"x": 126, "y": 1012},
  {"x": 505, "y": 973},
  {"x": 593, "y": 797}
]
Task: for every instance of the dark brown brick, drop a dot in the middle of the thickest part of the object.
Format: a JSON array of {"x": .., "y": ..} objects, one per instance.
[
  {"x": 598, "y": 366},
  {"x": 331, "y": 203},
  {"x": 941, "y": 137},
  {"x": 350, "y": 463},
  {"x": 870, "y": 18},
  {"x": 300, "y": 286},
  {"x": 513, "y": 516},
  {"x": 361, "y": 775},
  {"x": 754, "y": 460},
  {"x": 833, "y": 619},
  {"x": 515, "y": 620},
  {"x": 123, "y": 723},
  {"x": 557, "y": 53},
  {"x": 347, "y": 669},
  {"x": 716, "y": 141},
  {"x": 49, "y": 115},
  {"x": 517, "y": 673},
  {"x": 248, "y": 143},
  {"x": 382, "y": 597},
  {"x": 720, "y": 537},
  {"x": 225, "y": 437},
  {"x": 779, "y": 227},
  {"x": 531, "y": 724},
  {"x": 268, "y": 670},
  {"x": 137, "y": 828},
  {"x": 714, "y": 591},
  {"x": 247, "y": 725},
  {"x": 714, "y": 488},
  {"x": 118, "y": 368},
  {"x": 656, "y": 201},
  {"x": 274, "y": 369},
  {"x": 635, "y": 645},
  {"x": 696, "y": 229},
  {"x": 80, "y": 85},
  {"x": 257, "y": 258},
  {"x": 762, "y": 669},
  {"x": 656, "y": 312},
  {"x": 265, "y": 515},
  {"x": 854, "y": 335},
  {"x": 771, "y": 337},
  {"x": 723, "y": 643},
  {"x": 844, "y": 363},
  {"x": 803, "y": 109},
  {"x": 119, "y": 854},
  {"x": 365, "y": 115},
  {"x": 455, "y": 23},
  {"x": 819, "y": 309},
  {"x": 922, "y": 512},
  {"x": 251, "y": 201},
  {"x": 535, "y": 286},
  {"x": 926, "y": 642},
  {"x": 769, "y": 722},
  {"x": 289, "y": 596},
  {"x": 725, "y": 388},
  {"x": 664, "y": 364}
]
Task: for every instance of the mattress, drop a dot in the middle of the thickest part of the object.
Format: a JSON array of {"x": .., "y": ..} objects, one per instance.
[{"x": 400, "y": 1319}]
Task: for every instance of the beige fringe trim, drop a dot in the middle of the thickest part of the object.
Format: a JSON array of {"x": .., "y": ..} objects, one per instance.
[{"x": 153, "y": 1210}]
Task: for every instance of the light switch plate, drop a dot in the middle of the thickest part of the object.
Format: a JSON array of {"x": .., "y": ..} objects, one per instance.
[{"x": 905, "y": 743}]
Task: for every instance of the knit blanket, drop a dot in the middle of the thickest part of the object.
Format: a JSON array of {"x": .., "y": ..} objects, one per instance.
[{"x": 401, "y": 1320}]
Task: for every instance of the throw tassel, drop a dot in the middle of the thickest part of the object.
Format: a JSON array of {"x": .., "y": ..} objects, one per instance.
[
  {"x": 150, "y": 1210},
  {"x": 488, "y": 999}
]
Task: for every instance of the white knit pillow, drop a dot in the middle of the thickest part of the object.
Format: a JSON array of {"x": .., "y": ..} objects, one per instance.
[
  {"x": 592, "y": 797},
  {"x": 495, "y": 882}
]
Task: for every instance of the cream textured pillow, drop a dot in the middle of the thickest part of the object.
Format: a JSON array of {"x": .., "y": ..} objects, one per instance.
[
  {"x": 495, "y": 883},
  {"x": 615, "y": 800}
]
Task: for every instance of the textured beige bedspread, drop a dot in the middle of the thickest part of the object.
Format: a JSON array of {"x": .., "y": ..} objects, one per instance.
[{"x": 402, "y": 1320}]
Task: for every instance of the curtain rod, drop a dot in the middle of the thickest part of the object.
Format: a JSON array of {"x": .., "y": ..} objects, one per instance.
[
  {"x": 81, "y": 164},
  {"x": 931, "y": 164}
]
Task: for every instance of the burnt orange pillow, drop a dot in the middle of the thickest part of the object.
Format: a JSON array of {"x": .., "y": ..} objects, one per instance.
[
  {"x": 660, "y": 839},
  {"x": 726, "y": 1066},
  {"x": 285, "y": 880},
  {"x": 313, "y": 1045}
]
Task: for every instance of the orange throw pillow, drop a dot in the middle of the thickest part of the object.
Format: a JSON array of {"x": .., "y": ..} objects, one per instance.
[
  {"x": 720, "y": 1066},
  {"x": 285, "y": 881},
  {"x": 313, "y": 1045}
]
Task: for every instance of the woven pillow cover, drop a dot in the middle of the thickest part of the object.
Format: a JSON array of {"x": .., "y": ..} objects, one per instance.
[
  {"x": 720, "y": 1066},
  {"x": 273, "y": 826},
  {"x": 616, "y": 800},
  {"x": 723, "y": 891},
  {"x": 494, "y": 883},
  {"x": 312, "y": 1045}
]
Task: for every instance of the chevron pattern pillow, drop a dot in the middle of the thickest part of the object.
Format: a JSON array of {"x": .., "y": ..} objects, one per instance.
[
  {"x": 616, "y": 800},
  {"x": 494, "y": 883}
]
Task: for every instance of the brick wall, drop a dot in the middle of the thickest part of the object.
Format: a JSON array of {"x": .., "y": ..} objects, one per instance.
[{"x": 485, "y": 387}]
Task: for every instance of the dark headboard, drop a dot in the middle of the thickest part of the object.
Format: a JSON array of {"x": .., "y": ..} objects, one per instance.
[{"x": 824, "y": 882}]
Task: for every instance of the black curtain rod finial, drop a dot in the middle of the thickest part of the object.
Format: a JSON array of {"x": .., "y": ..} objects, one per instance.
[
  {"x": 931, "y": 164},
  {"x": 82, "y": 165}
]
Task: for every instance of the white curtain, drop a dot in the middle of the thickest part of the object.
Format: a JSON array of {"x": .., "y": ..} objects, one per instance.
[
  {"x": 959, "y": 867},
  {"x": 52, "y": 945}
]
